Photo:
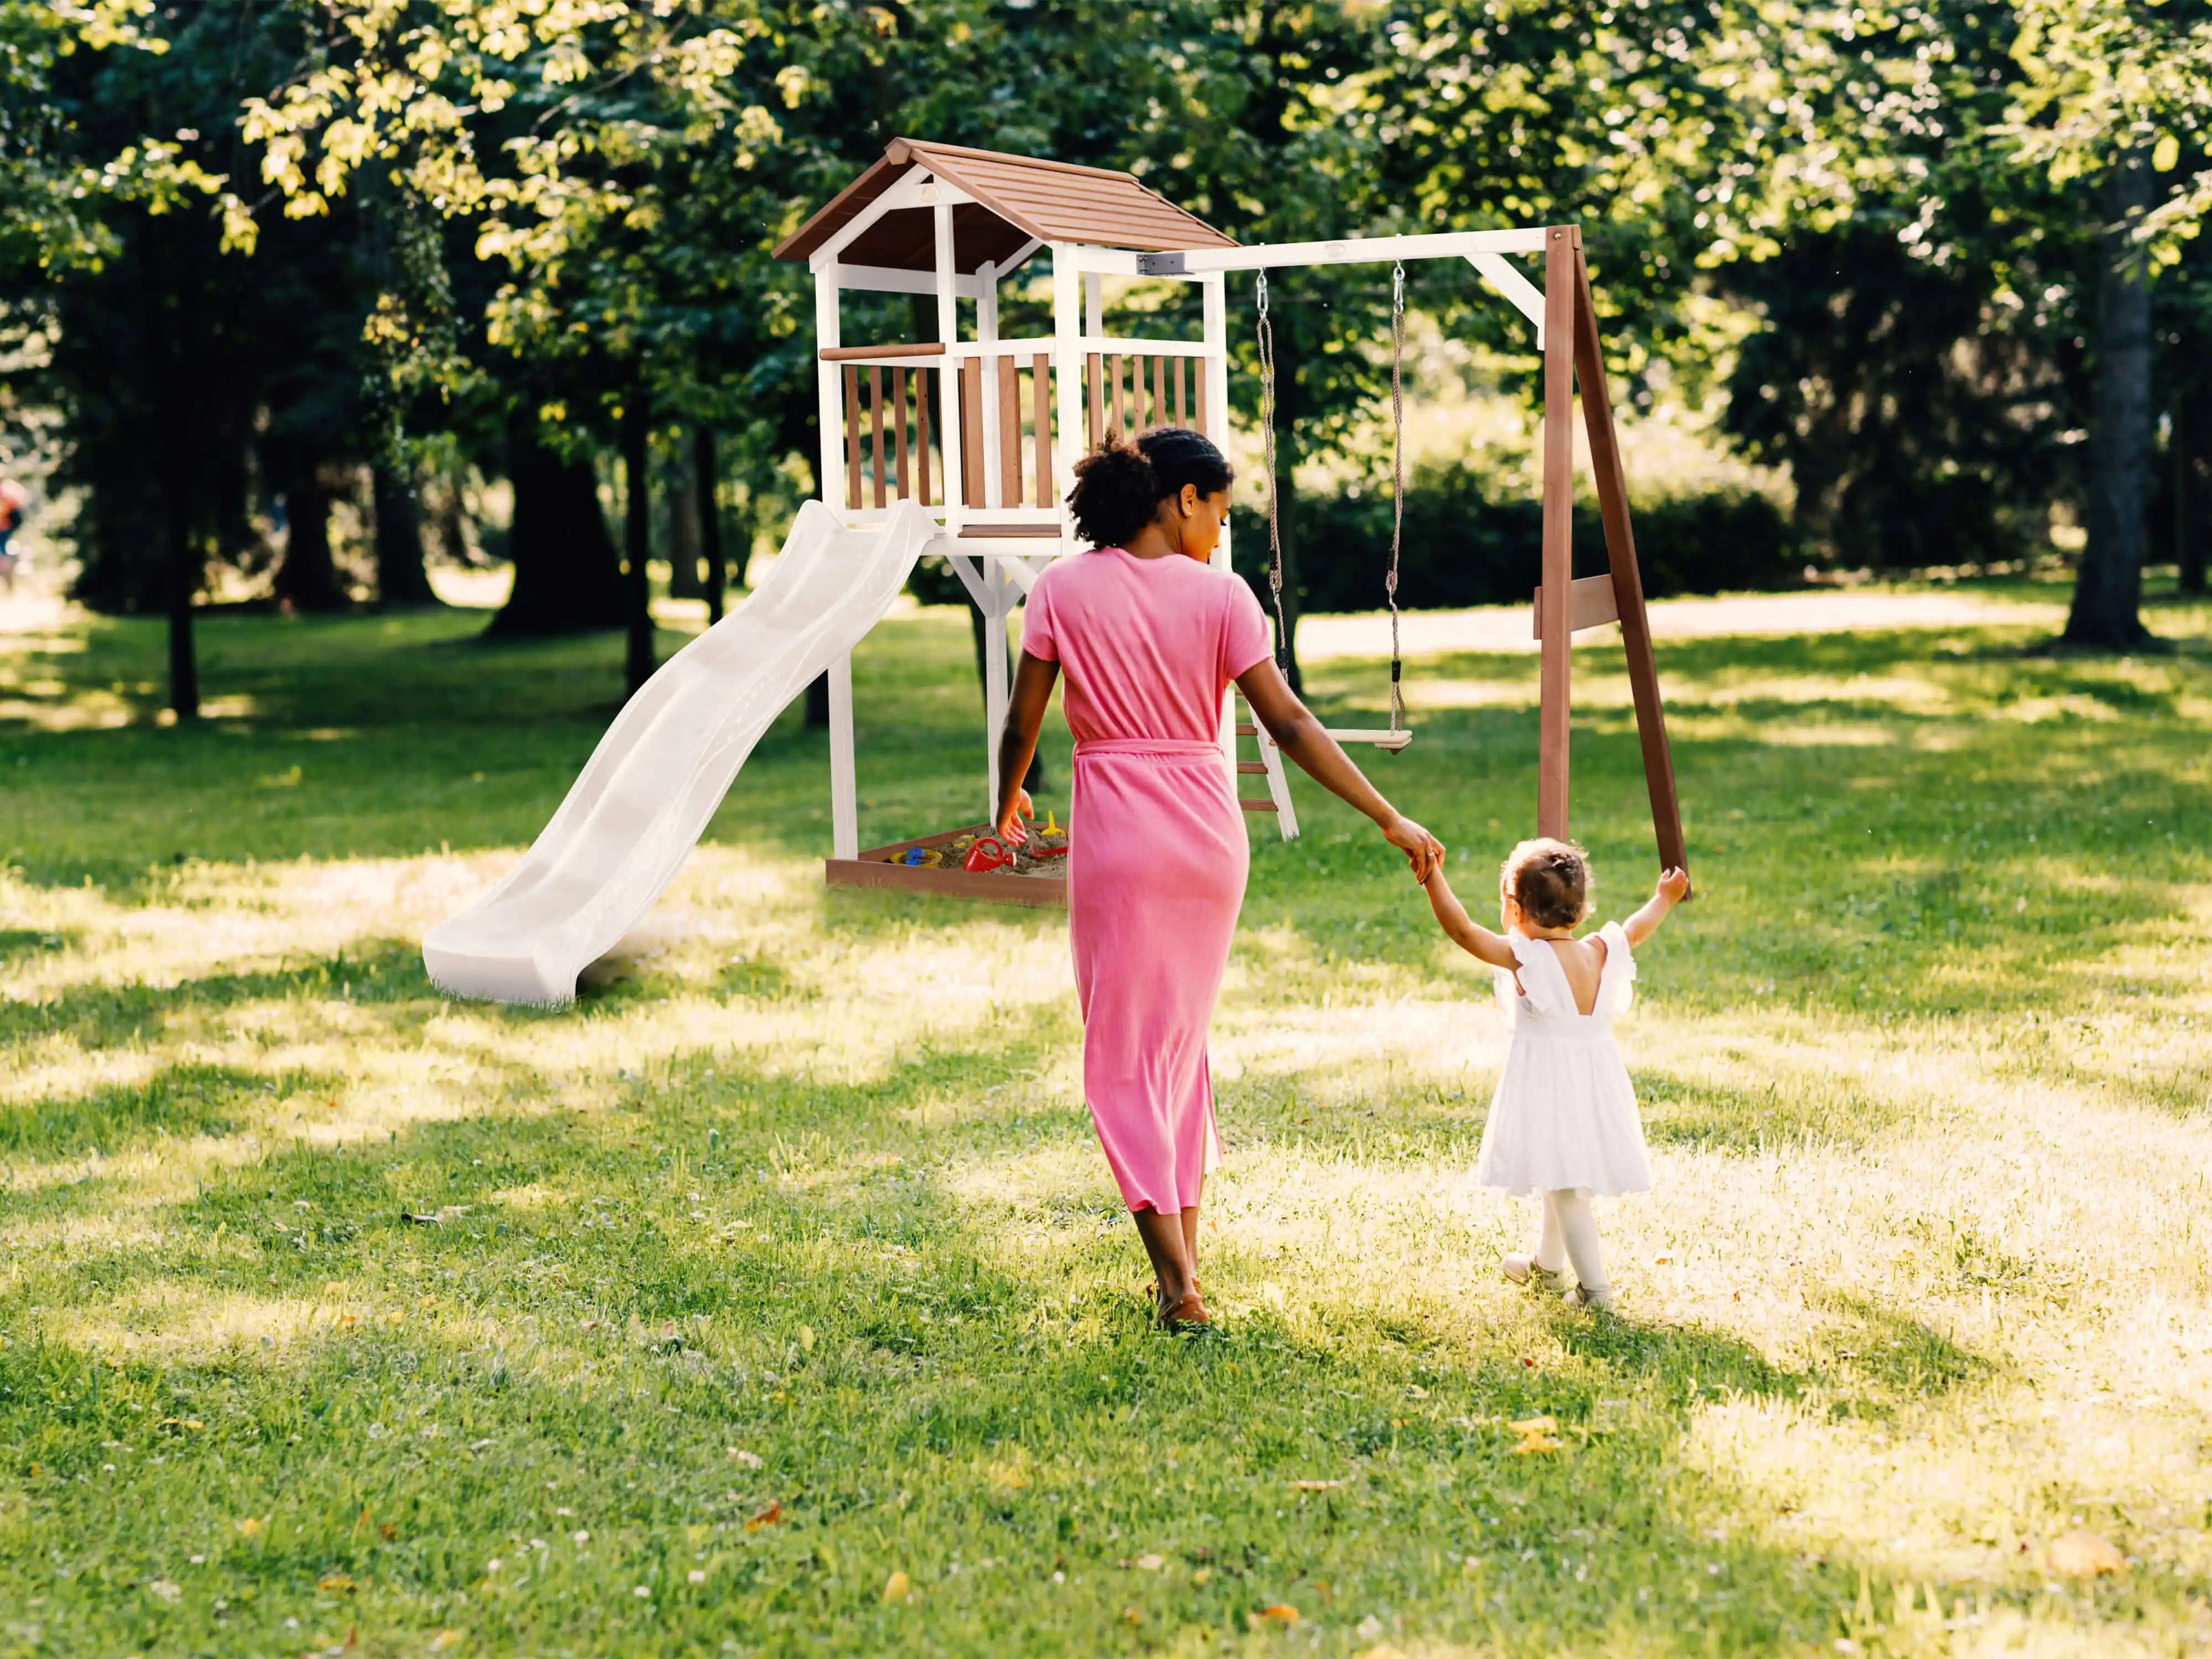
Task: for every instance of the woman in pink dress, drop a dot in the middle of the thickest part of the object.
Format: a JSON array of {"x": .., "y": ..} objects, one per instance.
[{"x": 1150, "y": 636}]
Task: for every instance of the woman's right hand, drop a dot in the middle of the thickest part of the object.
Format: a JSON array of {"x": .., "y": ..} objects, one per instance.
[
  {"x": 1423, "y": 850},
  {"x": 1009, "y": 822}
]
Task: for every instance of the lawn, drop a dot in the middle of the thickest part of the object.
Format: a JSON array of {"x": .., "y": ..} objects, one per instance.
[{"x": 775, "y": 1299}]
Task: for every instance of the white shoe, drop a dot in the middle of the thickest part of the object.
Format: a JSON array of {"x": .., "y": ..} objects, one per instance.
[
  {"x": 1522, "y": 1268},
  {"x": 1582, "y": 1297}
]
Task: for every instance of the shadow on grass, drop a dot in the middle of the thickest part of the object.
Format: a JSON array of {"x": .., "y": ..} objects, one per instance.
[
  {"x": 189, "y": 1098},
  {"x": 1701, "y": 1115}
]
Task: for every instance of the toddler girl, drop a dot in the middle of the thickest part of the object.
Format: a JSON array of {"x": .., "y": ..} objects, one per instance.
[{"x": 1564, "y": 1124}]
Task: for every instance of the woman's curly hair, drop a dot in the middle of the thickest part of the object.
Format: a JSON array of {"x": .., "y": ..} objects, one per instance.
[
  {"x": 1550, "y": 880},
  {"x": 1120, "y": 485}
]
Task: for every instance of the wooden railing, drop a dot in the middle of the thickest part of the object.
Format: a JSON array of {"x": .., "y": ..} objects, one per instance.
[
  {"x": 1103, "y": 378},
  {"x": 894, "y": 393}
]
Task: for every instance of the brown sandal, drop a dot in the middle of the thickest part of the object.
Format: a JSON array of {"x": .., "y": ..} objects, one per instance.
[{"x": 1188, "y": 1314}]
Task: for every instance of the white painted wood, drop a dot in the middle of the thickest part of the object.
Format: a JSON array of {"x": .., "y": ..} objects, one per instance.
[
  {"x": 948, "y": 389},
  {"x": 844, "y": 790},
  {"x": 1525, "y": 296},
  {"x": 879, "y": 279},
  {"x": 918, "y": 189},
  {"x": 987, "y": 347},
  {"x": 1094, "y": 303},
  {"x": 1357, "y": 250},
  {"x": 1068, "y": 300},
  {"x": 994, "y": 675},
  {"x": 829, "y": 392}
]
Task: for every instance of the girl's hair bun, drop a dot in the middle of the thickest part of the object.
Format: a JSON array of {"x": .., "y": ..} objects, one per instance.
[
  {"x": 1549, "y": 879},
  {"x": 1120, "y": 485}
]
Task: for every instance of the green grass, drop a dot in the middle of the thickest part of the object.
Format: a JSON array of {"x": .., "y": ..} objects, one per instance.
[{"x": 678, "y": 1323}]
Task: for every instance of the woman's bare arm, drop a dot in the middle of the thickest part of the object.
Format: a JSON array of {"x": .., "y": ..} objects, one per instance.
[
  {"x": 1034, "y": 679},
  {"x": 1470, "y": 935},
  {"x": 1299, "y": 735}
]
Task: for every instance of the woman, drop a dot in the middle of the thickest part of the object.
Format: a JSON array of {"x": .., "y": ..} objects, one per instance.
[{"x": 1150, "y": 636}]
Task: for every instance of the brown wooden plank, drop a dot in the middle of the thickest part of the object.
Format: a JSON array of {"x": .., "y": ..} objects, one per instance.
[
  {"x": 1251, "y": 766},
  {"x": 876, "y": 430},
  {"x": 1179, "y": 364},
  {"x": 1120, "y": 431},
  {"x": 898, "y": 425},
  {"x": 1009, "y": 374},
  {"x": 1094, "y": 402},
  {"x": 1627, "y": 579},
  {"x": 1160, "y": 390},
  {"x": 1554, "y": 686},
  {"x": 921, "y": 429},
  {"x": 1198, "y": 394},
  {"x": 1034, "y": 531},
  {"x": 857, "y": 354},
  {"x": 1041, "y": 418},
  {"x": 1245, "y": 729},
  {"x": 1591, "y": 603},
  {"x": 1038, "y": 892},
  {"x": 971, "y": 431},
  {"x": 1250, "y": 805},
  {"x": 851, "y": 437}
]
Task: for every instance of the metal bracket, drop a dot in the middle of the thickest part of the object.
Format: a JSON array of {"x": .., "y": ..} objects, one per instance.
[{"x": 1161, "y": 264}]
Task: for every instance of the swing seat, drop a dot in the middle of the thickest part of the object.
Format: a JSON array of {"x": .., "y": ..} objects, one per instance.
[{"x": 1380, "y": 737}]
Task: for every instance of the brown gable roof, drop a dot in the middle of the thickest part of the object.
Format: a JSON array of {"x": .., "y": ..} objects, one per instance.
[{"x": 1017, "y": 197}]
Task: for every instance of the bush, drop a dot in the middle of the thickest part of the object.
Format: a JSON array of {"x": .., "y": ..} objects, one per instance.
[{"x": 1466, "y": 545}]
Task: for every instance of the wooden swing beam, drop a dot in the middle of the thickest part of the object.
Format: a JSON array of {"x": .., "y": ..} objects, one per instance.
[{"x": 1571, "y": 354}]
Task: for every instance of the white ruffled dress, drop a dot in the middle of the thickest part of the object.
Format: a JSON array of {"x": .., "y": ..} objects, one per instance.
[{"x": 1565, "y": 1114}]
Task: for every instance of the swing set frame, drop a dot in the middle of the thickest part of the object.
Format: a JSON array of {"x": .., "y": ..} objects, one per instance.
[
  {"x": 953, "y": 224},
  {"x": 1567, "y": 337}
]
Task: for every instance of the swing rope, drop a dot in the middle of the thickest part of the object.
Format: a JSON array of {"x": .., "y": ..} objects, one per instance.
[
  {"x": 1397, "y": 483},
  {"x": 1267, "y": 343},
  {"x": 1274, "y": 522}
]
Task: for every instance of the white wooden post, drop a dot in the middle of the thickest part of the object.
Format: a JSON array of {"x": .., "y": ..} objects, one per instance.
[
  {"x": 986, "y": 336},
  {"x": 1094, "y": 304},
  {"x": 1067, "y": 368},
  {"x": 844, "y": 792},
  {"x": 1002, "y": 592},
  {"x": 1213, "y": 296},
  {"x": 948, "y": 379},
  {"x": 828, "y": 393}
]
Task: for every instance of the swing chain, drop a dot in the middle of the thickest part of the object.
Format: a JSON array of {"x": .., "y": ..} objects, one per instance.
[
  {"x": 1397, "y": 481},
  {"x": 1267, "y": 342}
]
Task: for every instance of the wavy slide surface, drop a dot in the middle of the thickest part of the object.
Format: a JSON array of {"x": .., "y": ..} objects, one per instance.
[{"x": 632, "y": 816}]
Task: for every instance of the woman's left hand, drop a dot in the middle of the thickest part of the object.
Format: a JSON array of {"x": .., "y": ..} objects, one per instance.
[
  {"x": 1422, "y": 850},
  {"x": 1010, "y": 826}
]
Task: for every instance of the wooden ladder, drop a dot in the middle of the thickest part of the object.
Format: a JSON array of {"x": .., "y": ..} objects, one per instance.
[{"x": 1269, "y": 766}]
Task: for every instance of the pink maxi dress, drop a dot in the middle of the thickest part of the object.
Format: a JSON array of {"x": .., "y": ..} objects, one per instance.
[{"x": 1156, "y": 854}]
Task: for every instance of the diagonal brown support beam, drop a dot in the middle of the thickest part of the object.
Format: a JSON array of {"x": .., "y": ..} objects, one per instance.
[
  {"x": 1561, "y": 261},
  {"x": 1621, "y": 555}
]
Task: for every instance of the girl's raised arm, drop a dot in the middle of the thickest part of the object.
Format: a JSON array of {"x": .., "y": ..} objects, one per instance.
[
  {"x": 1664, "y": 897},
  {"x": 1470, "y": 935}
]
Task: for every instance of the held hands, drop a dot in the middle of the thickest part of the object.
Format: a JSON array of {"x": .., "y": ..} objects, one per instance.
[
  {"x": 1010, "y": 823},
  {"x": 1674, "y": 885},
  {"x": 1423, "y": 851}
]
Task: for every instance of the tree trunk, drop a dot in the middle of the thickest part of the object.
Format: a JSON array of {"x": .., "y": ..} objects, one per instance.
[
  {"x": 308, "y": 579},
  {"x": 2188, "y": 434},
  {"x": 706, "y": 476},
  {"x": 185, "y": 573},
  {"x": 682, "y": 496},
  {"x": 1286, "y": 498},
  {"x": 567, "y": 578},
  {"x": 2108, "y": 593},
  {"x": 637, "y": 536},
  {"x": 402, "y": 583}
]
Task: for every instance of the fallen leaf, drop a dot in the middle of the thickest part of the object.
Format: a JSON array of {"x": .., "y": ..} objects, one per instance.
[
  {"x": 1130, "y": 1615},
  {"x": 2080, "y": 1554},
  {"x": 767, "y": 1517},
  {"x": 1278, "y": 1612},
  {"x": 896, "y": 1586},
  {"x": 1147, "y": 1563},
  {"x": 1536, "y": 1442},
  {"x": 806, "y": 1338},
  {"x": 336, "y": 1582},
  {"x": 250, "y": 1528},
  {"x": 446, "y": 1638},
  {"x": 751, "y": 1460},
  {"x": 1535, "y": 1426}
]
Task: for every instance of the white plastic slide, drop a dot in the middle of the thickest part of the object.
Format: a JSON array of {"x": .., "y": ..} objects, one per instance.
[{"x": 663, "y": 767}]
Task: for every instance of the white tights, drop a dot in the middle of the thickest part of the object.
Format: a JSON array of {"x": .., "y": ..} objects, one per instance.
[{"x": 1569, "y": 1233}]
